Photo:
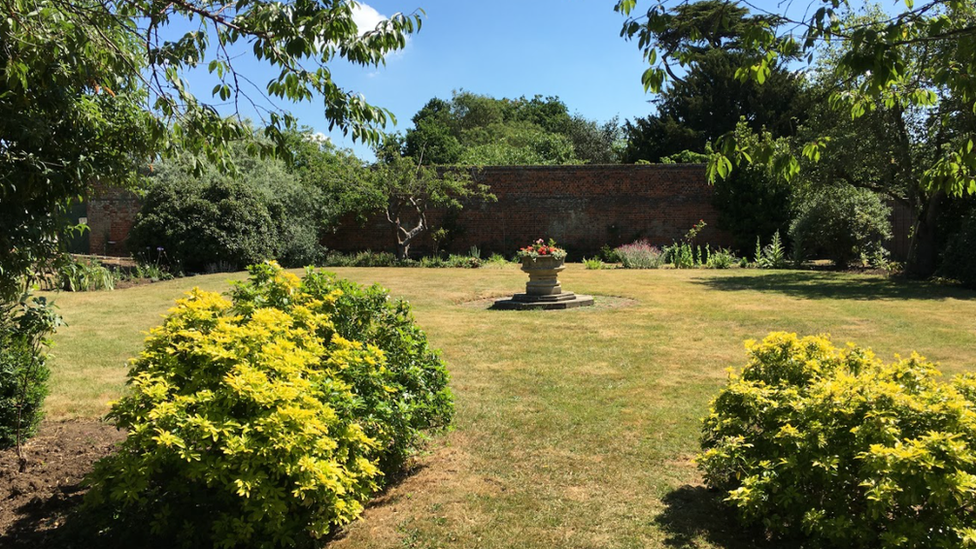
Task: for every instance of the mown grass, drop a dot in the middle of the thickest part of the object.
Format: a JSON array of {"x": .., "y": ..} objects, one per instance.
[{"x": 574, "y": 428}]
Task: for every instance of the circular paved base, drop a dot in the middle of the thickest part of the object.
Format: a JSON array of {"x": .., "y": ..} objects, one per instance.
[{"x": 525, "y": 302}]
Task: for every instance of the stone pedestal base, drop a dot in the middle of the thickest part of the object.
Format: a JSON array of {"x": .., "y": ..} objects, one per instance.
[{"x": 563, "y": 300}]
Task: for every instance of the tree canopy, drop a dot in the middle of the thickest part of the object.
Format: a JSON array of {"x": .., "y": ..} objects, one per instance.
[
  {"x": 480, "y": 130},
  {"x": 708, "y": 102},
  {"x": 92, "y": 91},
  {"x": 405, "y": 189},
  {"x": 896, "y": 93},
  {"x": 933, "y": 43}
]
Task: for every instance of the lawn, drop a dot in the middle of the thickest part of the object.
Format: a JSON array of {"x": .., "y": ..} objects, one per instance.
[{"x": 576, "y": 428}]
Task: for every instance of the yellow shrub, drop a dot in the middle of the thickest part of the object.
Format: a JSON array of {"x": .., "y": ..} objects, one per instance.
[
  {"x": 240, "y": 432},
  {"x": 838, "y": 446}
]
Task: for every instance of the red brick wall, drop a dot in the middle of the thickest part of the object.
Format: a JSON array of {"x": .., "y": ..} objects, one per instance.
[
  {"x": 582, "y": 207},
  {"x": 111, "y": 214}
]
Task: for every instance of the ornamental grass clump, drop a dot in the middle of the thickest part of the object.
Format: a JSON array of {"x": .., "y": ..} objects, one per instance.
[
  {"x": 836, "y": 446},
  {"x": 640, "y": 255},
  {"x": 257, "y": 423}
]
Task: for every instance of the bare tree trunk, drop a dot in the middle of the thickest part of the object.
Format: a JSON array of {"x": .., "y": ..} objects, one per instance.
[{"x": 923, "y": 252}]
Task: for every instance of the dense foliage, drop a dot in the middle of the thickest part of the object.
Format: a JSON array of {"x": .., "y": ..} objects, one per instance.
[
  {"x": 91, "y": 92},
  {"x": 959, "y": 255},
  {"x": 895, "y": 90},
  {"x": 215, "y": 219},
  {"x": 842, "y": 224},
  {"x": 269, "y": 420},
  {"x": 68, "y": 116},
  {"x": 472, "y": 129},
  {"x": 639, "y": 255},
  {"x": 24, "y": 327},
  {"x": 81, "y": 275},
  {"x": 404, "y": 397},
  {"x": 709, "y": 100},
  {"x": 833, "y": 444},
  {"x": 404, "y": 189},
  {"x": 750, "y": 204}
]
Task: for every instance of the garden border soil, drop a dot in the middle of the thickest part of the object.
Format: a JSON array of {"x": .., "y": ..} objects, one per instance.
[{"x": 35, "y": 503}]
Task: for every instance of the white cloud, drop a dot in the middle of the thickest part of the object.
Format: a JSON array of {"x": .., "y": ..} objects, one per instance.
[
  {"x": 318, "y": 138},
  {"x": 366, "y": 17}
]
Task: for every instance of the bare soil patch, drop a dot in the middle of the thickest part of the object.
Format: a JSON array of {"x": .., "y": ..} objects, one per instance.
[{"x": 34, "y": 503}]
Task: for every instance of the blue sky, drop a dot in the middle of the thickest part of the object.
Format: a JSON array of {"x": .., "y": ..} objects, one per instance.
[{"x": 505, "y": 48}]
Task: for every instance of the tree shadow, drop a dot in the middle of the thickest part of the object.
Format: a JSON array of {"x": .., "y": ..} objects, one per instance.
[
  {"x": 60, "y": 522},
  {"x": 48, "y": 522},
  {"x": 824, "y": 285},
  {"x": 693, "y": 514},
  {"x": 387, "y": 496}
]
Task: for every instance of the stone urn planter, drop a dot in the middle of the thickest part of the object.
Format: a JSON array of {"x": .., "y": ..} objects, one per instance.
[
  {"x": 543, "y": 275},
  {"x": 543, "y": 263}
]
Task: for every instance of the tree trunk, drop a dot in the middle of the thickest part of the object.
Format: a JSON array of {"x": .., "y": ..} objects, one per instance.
[
  {"x": 923, "y": 253},
  {"x": 403, "y": 250},
  {"x": 405, "y": 237}
]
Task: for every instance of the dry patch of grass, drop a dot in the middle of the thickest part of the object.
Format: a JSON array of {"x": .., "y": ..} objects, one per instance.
[{"x": 574, "y": 428}]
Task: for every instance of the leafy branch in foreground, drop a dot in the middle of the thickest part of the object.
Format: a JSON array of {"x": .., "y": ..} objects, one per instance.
[
  {"x": 911, "y": 68},
  {"x": 879, "y": 62},
  {"x": 95, "y": 91}
]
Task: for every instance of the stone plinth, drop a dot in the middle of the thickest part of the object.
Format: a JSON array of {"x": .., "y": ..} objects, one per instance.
[{"x": 562, "y": 300}]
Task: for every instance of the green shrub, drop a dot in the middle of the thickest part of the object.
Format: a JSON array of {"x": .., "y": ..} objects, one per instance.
[
  {"x": 836, "y": 445},
  {"x": 402, "y": 399},
  {"x": 24, "y": 328},
  {"x": 496, "y": 260},
  {"x": 840, "y": 224},
  {"x": 201, "y": 223},
  {"x": 721, "y": 258},
  {"x": 152, "y": 271},
  {"x": 608, "y": 254},
  {"x": 679, "y": 255},
  {"x": 432, "y": 262},
  {"x": 594, "y": 264},
  {"x": 463, "y": 261},
  {"x": 259, "y": 423},
  {"x": 773, "y": 255},
  {"x": 212, "y": 219},
  {"x": 367, "y": 258},
  {"x": 84, "y": 275}
]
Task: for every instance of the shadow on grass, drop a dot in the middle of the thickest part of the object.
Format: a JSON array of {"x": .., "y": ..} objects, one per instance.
[
  {"x": 825, "y": 285},
  {"x": 60, "y": 522},
  {"x": 694, "y": 514}
]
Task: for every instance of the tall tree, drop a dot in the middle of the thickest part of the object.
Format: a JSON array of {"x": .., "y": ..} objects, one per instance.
[
  {"x": 916, "y": 60},
  {"x": 705, "y": 41}
]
